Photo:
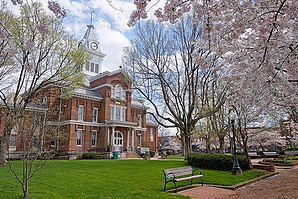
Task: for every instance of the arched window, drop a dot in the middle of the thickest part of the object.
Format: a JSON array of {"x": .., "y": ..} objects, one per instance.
[
  {"x": 118, "y": 91},
  {"x": 118, "y": 138}
]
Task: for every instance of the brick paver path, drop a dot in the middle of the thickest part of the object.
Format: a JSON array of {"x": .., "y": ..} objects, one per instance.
[{"x": 281, "y": 186}]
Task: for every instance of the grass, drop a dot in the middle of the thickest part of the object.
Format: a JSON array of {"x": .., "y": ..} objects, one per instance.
[
  {"x": 106, "y": 179},
  {"x": 176, "y": 157}
]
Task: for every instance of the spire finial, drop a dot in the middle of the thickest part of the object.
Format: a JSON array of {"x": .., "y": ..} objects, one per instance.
[{"x": 91, "y": 18}]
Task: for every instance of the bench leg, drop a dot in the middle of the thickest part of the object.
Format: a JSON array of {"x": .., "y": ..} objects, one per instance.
[
  {"x": 175, "y": 187},
  {"x": 164, "y": 188}
]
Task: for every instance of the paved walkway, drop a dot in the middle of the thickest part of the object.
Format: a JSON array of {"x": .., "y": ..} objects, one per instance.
[{"x": 281, "y": 186}]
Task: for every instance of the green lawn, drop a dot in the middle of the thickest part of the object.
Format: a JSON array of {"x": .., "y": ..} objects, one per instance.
[{"x": 106, "y": 179}]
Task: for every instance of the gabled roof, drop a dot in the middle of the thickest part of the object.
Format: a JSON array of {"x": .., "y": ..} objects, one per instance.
[{"x": 108, "y": 74}]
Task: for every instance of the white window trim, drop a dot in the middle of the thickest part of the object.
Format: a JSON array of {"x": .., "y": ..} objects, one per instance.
[
  {"x": 151, "y": 132},
  {"x": 139, "y": 120},
  {"x": 123, "y": 112},
  {"x": 81, "y": 138},
  {"x": 81, "y": 106},
  {"x": 96, "y": 120},
  {"x": 117, "y": 139},
  {"x": 93, "y": 131},
  {"x": 122, "y": 92}
]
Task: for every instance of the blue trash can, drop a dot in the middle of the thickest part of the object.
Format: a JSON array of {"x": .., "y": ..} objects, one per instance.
[{"x": 115, "y": 155}]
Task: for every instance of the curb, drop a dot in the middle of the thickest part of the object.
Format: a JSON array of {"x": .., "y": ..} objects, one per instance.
[{"x": 242, "y": 184}]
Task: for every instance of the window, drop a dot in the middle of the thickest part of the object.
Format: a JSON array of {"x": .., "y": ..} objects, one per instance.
[
  {"x": 92, "y": 67},
  {"x": 88, "y": 66},
  {"x": 118, "y": 138},
  {"x": 93, "y": 138},
  {"x": 139, "y": 140},
  {"x": 123, "y": 114},
  {"x": 113, "y": 92},
  {"x": 96, "y": 68},
  {"x": 117, "y": 113},
  {"x": 112, "y": 109},
  {"x": 139, "y": 120},
  {"x": 81, "y": 113},
  {"x": 95, "y": 115},
  {"x": 79, "y": 137},
  {"x": 118, "y": 90},
  {"x": 13, "y": 140},
  {"x": 124, "y": 95},
  {"x": 151, "y": 135},
  {"x": 44, "y": 102}
]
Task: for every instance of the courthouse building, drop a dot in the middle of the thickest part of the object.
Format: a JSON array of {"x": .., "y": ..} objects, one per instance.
[{"x": 100, "y": 116}]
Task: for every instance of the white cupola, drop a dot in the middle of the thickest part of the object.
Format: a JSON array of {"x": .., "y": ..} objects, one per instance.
[{"x": 91, "y": 44}]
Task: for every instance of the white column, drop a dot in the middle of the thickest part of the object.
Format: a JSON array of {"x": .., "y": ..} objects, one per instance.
[
  {"x": 127, "y": 144},
  {"x": 113, "y": 132},
  {"x": 108, "y": 135},
  {"x": 132, "y": 140}
]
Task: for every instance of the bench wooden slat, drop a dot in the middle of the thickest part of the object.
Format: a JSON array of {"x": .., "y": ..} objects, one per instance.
[{"x": 188, "y": 178}]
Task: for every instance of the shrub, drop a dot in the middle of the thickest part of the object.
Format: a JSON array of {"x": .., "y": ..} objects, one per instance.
[
  {"x": 216, "y": 161},
  {"x": 277, "y": 160},
  {"x": 152, "y": 153},
  {"x": 89, "y": 156},
  {"x": 79, "y": 157},
  {"x": 101, "y": 156},
  {"x": 294, "y": 148}
]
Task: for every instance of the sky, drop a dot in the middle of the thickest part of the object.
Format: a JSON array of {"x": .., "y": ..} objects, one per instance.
[{"x": 110, "y": 18}]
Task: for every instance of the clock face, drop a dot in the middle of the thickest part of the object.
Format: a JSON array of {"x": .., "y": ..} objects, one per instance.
[{"x": 94, "y": 45}]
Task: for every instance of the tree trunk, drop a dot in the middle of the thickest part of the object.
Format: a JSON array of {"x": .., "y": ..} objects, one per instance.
[
  {"x": 221, "y": 145},
  {"x": 187, "y": 145},
  {"x": 245, "y": 149},
  {"x": 2, "y": 149}
]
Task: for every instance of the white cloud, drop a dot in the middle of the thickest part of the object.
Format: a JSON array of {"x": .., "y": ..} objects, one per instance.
[{"x": 111, "y": 44}]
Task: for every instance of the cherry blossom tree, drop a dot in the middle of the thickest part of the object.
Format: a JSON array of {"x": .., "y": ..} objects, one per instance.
[
  {"x": 36, "y": 52},
  {"x": 256, "y": 39}
]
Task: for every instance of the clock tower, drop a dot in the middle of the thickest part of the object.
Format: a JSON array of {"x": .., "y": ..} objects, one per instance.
[{"x": 91, "y": 44}]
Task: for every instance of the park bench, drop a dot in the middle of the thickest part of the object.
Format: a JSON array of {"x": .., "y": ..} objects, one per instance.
[
  {"x": 253, "y": 155},
  {"x": 270, "y": 154},
  {"x": 291, "y": 153},
  {"x": 180, "y": 174}
]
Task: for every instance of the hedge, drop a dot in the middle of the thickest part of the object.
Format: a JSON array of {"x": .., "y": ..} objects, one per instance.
[
  {"x": 216, "y": 161},
  {"x": 90, "y": 155},
  {"x": 293, "y": 148}
]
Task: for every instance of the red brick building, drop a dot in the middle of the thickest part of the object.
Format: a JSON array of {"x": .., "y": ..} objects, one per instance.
[{"x": 102, "y": 115}]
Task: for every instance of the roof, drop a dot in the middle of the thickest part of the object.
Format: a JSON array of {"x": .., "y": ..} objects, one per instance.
[
  {"x": 108, "y": 73},
  {"x": 85, "y": 92},
  {"x": 90, "y": 33}
]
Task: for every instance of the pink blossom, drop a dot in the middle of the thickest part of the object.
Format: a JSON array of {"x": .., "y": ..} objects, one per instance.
[{"x": 56, "y": 9}]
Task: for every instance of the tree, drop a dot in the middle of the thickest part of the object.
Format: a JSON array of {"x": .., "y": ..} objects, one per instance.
[
  {"x": 43, "y": 55},
  {"x": 257, "y": 39},
  {"x": 166, "y": 73}
]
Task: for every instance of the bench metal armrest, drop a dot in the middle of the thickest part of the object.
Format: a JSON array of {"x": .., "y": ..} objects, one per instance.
[
  {"x": 196, "y": 169},
  {"x": 168, "y": 176}
]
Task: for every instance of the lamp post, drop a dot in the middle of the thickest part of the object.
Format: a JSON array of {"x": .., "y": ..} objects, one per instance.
[{"x": 236, "y": 170}]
